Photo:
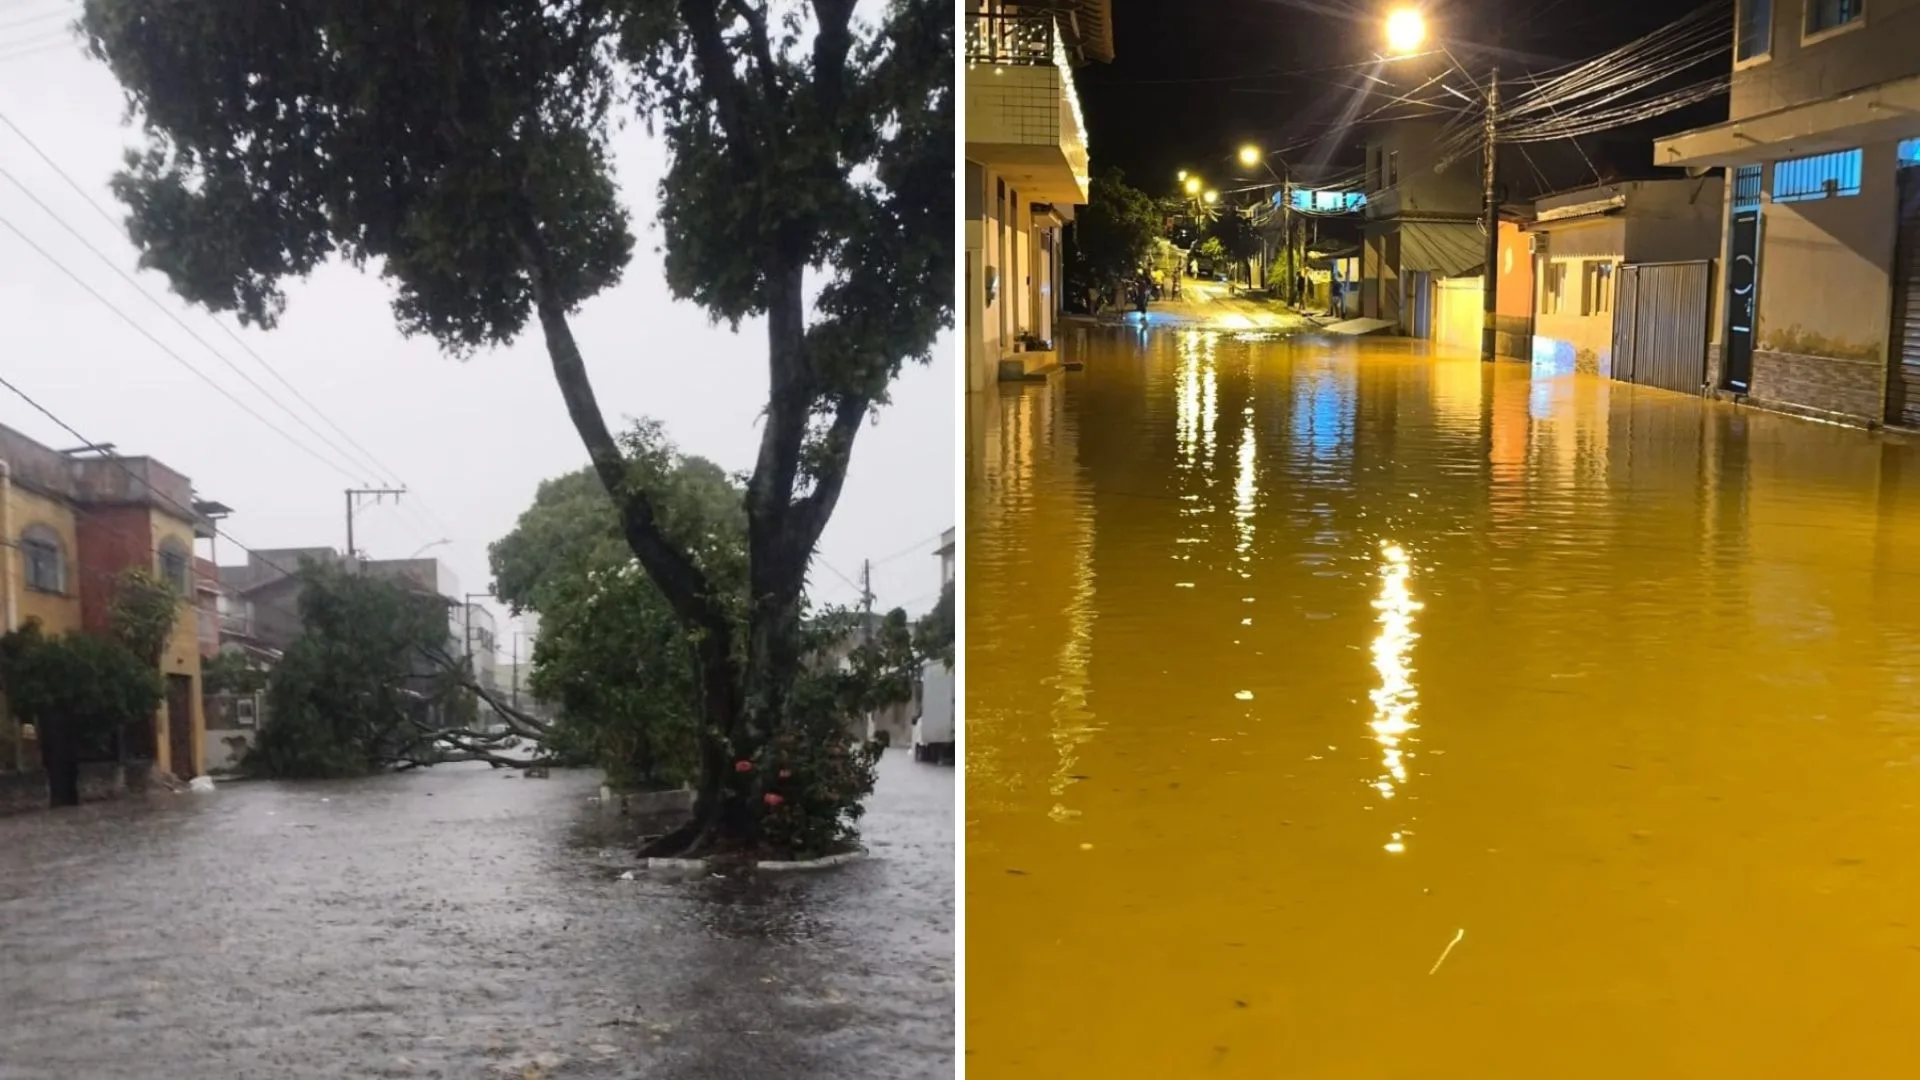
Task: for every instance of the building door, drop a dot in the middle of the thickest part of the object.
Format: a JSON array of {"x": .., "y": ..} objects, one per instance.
[
  {"x": 180, "y": 725},
  {"x": 1903, "y": 390},
  {"x": 1743, "y": 287},
  {"x": 1417, "y": 285}
]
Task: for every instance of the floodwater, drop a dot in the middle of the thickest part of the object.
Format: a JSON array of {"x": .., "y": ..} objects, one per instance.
[
  {"x": 1339, "y": 711},
  {"x": 462, "y": 922}
]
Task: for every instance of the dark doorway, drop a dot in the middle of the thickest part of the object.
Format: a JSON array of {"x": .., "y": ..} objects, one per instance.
[
  {"x": 61, "y": 758},
  {"x": 180, "y": 725},
  {"x": 1903, "y": 390},
  {"x": 1743, "y": 282}
]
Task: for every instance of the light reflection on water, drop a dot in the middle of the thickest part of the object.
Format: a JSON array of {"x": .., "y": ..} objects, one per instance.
[{"x": 1624, "y": 680}]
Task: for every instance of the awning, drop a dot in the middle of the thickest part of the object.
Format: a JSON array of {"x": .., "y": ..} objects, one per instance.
[{"x": 1884, "y": 112}]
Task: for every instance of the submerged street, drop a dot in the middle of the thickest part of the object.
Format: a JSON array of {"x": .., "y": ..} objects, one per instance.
[
  {"x": 1337, "y": 710},
  {"x": 462, "y": 922}
]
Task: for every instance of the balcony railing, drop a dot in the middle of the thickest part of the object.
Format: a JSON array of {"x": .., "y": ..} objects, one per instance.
[{"x": 1011, "y": 40}]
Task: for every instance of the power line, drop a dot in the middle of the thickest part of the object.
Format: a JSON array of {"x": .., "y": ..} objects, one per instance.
[
  {"x": 165, "y": 348},
  {"x": 120, "y": 230},
  {"x": 177, "y": 321},
  {"x": 185, "y": 512}
]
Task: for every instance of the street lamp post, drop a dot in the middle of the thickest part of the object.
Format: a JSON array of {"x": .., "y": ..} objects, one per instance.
[
  {"x": 1406, "y": 29},
  {"x": 1251, "y": 155}
]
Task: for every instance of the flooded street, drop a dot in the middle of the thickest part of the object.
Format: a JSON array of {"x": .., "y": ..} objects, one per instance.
[
  {"x": 1338, "y": 711},
  {"x": 458, "y": 922}
]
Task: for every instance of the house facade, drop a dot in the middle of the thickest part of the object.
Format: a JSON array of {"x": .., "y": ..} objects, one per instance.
[
  {"x": 1579, "y": 242},
  {"x": 1821, "y": 217},
  {"x": 1026, "y": 170},
  {"x": 75, "y": 521},
  {"x": 1421, "y": 223}
]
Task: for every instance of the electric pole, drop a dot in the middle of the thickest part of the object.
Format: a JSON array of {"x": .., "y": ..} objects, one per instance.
[
  {"x": 866, "y": 598},
  {"x": 1490, "y": 297},
  {"x": 354, "y": 495}
]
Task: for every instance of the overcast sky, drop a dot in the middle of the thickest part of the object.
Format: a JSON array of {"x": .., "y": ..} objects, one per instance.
[{"x": 469, "y": 440}]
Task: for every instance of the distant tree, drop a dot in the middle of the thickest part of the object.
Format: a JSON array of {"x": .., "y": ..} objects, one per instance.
[
  {"x": 465, "y": 148},
  {"x": 144, "y": 612},
  {"x": 611, "y": 655},
  {"x": 232, "y": 673},
  {"x": 1212, "y": 249},
  {"x": 1110, "y": 239},
  {"x": 933, "y": 634}
]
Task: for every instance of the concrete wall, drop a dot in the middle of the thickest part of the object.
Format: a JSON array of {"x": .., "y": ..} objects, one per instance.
[
  {"x": 58, "y": 612},
  {"x": 1825, "y": 298},
  {"x": 1513, "y": 301},
  {"x": 1673, "y": 220},
  {"x": 1416, "y": 187},
  {"x": 1875, "y": 48}
]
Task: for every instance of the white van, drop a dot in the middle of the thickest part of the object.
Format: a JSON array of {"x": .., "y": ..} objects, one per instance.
[{"x": 933, "y": 728}]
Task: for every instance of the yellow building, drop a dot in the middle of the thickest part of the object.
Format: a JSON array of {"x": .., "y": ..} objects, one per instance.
[{"x": 74, "y": 522}]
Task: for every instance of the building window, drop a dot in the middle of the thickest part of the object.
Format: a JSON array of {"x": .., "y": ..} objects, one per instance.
[
  {"x": 1598, "y": 288},
  {"x": 1753, "y": 35},
  {"x": 175, "y": 564},
  {"x": 1746, "y": 187},
  {"x": 1553, "y": 288},
  {"x": 1818, "y": 176},
  {"x": 1393, "y": 167},
  {"x": 1908, "y": 153},
  {"x": 1828, "y": 14},
  {"x": 46, "y": 564}
]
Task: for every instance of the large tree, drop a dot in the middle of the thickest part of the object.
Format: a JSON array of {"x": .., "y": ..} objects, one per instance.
[
  {"x": 1111, "y": 237},
  {"x": 465, "y": 148}
]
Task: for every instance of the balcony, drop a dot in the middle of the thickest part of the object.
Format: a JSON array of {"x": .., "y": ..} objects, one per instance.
[{"x": 1023, "y": 115}]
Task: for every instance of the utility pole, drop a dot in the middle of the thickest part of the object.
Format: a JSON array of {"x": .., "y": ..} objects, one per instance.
[
  {"x": 354, "y": 495},
  {"x": 1490, "y": 292},
  {"x": 866, "y": 598}
]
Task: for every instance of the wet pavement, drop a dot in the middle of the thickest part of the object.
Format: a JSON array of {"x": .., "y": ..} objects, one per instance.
[
  {"x": 1335, "y": 710},
  {"x": 461, "y": 923}
]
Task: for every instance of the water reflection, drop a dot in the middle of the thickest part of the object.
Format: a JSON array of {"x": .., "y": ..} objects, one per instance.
[
  {"x": 1650, "y": 660},
  {"x": 1396, "y": 697}
]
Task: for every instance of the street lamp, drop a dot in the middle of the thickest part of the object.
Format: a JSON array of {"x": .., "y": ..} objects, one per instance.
[
  {"x": 1183, "y": 176},
  {"x": 1406, "y": 29},
  {"x": 430, "y": 544},
  {"x": 1250, "y": 155},
  {"x": 1210, "y": 197},
  {"x": 1191, "y": 183}
]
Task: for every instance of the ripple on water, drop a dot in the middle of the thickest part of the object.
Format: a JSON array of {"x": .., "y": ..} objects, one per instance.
[{"x": 1609, "y": 693}]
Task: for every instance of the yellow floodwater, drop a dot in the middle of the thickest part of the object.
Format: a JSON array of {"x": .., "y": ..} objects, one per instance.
[{"x": 1337, "y": 711}]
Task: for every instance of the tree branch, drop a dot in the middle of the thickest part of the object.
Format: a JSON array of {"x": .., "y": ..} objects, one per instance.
[
  {"x": 789, "y": 398},
  {"x": 524, "y": 724},
  {"x": 831, "y": 43},
  {"x": 686, "y": 588},
  {"x": 715, "y": 67},
  {"x": 756, "y": 20},
  {"x": 811, "y": 513}
]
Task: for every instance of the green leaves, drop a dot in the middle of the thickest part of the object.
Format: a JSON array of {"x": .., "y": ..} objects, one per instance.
[
  {"x": 1111, "y": 235},
  {"x": 78, "y": 689},
  {"x": 145, "y": 610},
  {"x": 344, "y": 698}
]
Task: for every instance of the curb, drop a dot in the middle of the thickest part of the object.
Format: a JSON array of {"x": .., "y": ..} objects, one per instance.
[{"x": 769, "y": 865}]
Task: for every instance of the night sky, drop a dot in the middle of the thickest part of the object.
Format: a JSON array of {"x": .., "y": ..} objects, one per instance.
[{"x": 1191, "y": 82}]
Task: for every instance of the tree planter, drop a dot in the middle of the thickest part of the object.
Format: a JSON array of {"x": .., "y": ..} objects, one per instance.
[{"x": 767, "y": 865}]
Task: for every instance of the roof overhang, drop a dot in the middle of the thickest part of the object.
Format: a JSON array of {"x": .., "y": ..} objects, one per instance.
[
  {"x": 1583, "y": 208},
  {"x": 1885, "y": 111}
]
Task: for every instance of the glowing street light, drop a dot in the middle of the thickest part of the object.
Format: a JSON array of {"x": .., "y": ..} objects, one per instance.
[
  {"x": 1406, "y": 29},
  {"x": 1249, "y": 155},
  {"x": 1183, "y": 176},
  {"x": 1210, "y": 197},
  {"x": 1193, "y": 185}
]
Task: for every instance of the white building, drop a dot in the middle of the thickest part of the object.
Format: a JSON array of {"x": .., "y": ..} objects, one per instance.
[
  {"x": 1026, "y": 170},
  {"x": 1821, "y": 223}
]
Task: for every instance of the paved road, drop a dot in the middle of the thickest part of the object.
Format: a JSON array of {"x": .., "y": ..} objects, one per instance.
[{"x": 461, "y": 923}]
